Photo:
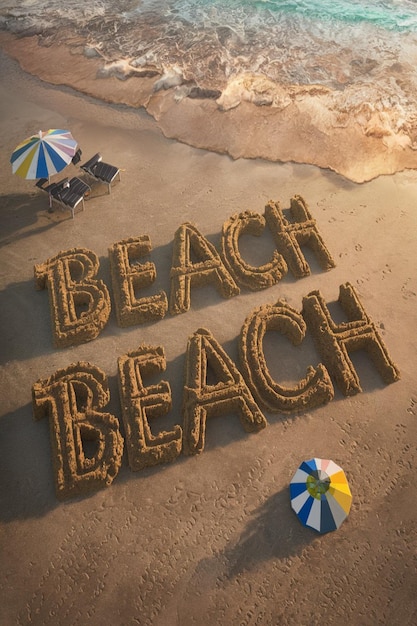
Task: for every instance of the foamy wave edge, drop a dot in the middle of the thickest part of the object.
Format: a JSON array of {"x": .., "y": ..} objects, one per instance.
[{"x": 251, "y": 117}]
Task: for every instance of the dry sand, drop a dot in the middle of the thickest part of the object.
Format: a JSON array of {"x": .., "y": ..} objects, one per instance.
[{"x": 208, "y": 539}]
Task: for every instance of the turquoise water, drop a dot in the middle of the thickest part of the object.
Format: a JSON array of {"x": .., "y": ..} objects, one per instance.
[
  {"x": 368, "y": 45},
  {"x": 390, "y": 15},
  {"x": 345, "y": 63}
]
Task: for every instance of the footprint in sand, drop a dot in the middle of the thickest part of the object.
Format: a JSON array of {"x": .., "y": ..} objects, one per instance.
[
  {"x": 412, "y": 407},
  {"x": 362, "y": 279},
  {"x": 387, "y": 270},
  {"x": 407, "y": 293}
]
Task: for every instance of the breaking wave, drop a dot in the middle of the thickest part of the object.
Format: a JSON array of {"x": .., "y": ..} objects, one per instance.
[
  {"x": 358, "y": 56},
  {"x": 329, "y": 42}
]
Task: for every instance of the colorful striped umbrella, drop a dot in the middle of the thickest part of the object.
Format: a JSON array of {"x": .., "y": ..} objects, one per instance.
[
  {"x": 320, "y": 495},
  {"x": 44, "y": 154}
]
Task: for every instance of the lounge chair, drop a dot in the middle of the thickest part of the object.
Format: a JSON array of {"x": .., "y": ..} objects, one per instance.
[
  {"x": 77, "y": 157},
  {"x": 100, "y": 171},
  {"x": 68, "y": 193}
]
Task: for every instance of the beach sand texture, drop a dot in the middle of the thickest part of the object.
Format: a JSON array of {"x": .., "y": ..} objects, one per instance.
[
  {"x": 250, "y": 117},
  {"x": 207, "y": 539}
]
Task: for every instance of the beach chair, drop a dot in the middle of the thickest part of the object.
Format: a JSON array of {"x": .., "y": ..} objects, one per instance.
[
  {"x": 77, "y": 157},
  {"x": 100, "y": 171},
  {"x": 67, "y": 193}
]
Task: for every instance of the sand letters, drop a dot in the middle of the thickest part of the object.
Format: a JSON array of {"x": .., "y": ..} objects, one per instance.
[
  {"x": 129, "y": 276},
  {"x": 248, "y": 276},
  {"x": 201, "y": 400},
  {"x": 313, "y": 390},
  {"x": 80, "y": 303},
  {"x": 209, "y": 269},
  {"x": 71, "y": 398},
  {"x": 290, "y": 236},
  {"x": 140, "y": 403},
  {"x": 86, "y": 443},
  {"x": 335, "y": 341}
]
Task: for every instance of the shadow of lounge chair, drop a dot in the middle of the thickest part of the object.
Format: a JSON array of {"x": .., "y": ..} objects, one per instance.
[
  {"x": 67, "y": 193},
  {"x": 100, "y": 171}
]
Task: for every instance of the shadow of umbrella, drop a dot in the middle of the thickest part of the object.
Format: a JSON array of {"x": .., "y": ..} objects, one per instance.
[
  {"x": 273, "y": 533},
  {"x": 20, "y": 211}
]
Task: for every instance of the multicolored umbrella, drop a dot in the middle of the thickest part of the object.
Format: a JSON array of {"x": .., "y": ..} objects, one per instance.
[
  {"x": 320, "y": 494},
  {"x": 44, "y": 154}
]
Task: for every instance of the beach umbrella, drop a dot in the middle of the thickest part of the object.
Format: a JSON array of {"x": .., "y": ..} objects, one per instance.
[
  {"x": 320, "y": 494},
  {"x": 44, "y": 154}
]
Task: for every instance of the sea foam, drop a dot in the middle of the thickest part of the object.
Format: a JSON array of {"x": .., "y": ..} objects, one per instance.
[{"x": 267, "y": 52}]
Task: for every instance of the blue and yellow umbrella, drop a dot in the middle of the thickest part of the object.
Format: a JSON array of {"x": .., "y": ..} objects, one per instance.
[
  {"x": 44, "y": 154},
  {"x": 320, "y": 494}
]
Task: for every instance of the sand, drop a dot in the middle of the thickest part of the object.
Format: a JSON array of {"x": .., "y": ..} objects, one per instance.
[
  {"x": 253, "y": 117},
  {"x": 209, "y": 538}
]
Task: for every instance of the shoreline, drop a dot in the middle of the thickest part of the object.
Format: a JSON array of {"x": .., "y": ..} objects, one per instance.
[
  {"x": 211, "y": 538},
  {"x": 284, "y": 124}
]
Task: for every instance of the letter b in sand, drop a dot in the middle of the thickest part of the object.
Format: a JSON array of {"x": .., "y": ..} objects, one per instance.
[
  {"x": 87, "y": 446},
  {"x": 80, "y": 304}
]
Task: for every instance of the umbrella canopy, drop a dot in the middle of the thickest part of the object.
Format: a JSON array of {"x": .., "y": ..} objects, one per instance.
[
  {"x": 320, "y": 494},
  {"x": 44, "y": 154}
]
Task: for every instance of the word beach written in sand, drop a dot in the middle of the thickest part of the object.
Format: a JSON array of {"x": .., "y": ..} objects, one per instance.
[{"x": 74, "y": 397}]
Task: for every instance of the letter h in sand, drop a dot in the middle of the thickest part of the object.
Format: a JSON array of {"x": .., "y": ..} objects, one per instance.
[{"x": 335, "y": 341}]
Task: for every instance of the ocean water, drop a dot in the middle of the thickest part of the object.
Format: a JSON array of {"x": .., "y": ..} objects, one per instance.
[{"x": 369, "y": 46}]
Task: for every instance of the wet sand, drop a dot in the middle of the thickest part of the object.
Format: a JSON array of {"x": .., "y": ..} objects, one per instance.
[
  {"x": 250, "y": 117},
  {"x": 208, "y": 539}
]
